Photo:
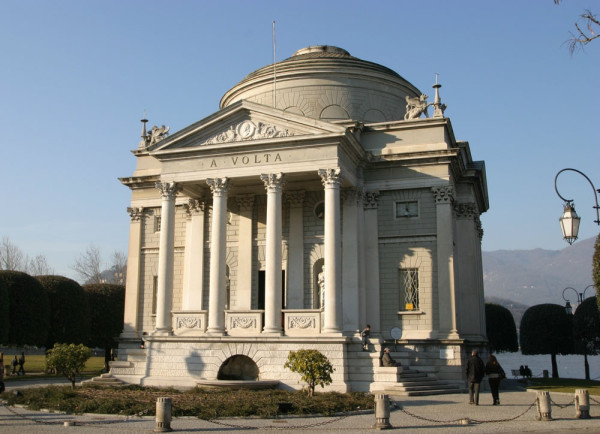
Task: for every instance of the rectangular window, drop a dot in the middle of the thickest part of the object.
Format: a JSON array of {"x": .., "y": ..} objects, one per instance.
[
  {"x": 409, "y": 281},
  {"x": 154, "y": 291},
  {"x": 157, "y": 220},
  {"x": 407, "y": 208}
]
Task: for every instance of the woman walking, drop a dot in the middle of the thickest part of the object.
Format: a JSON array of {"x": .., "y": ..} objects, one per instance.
[{"x": 495, "y": 373}]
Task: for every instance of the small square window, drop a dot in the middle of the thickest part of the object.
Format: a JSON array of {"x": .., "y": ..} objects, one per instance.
[{"x": 408, "y": 208}]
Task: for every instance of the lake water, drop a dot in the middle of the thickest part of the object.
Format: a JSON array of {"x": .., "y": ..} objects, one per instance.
[{"x": 570, "y": 366}]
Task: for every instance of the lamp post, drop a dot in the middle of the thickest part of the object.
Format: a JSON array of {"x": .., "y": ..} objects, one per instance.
[
  {"x": 580, "y": 298},
  {"x": 569, "y": 222},
  {"x": 569, "y": 311}
]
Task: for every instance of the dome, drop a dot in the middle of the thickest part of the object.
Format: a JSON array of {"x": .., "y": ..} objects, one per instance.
[{"x": 326, "y": 82}]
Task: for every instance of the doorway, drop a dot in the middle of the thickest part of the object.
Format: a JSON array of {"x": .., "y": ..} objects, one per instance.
[{"x": 261, "y": 290}]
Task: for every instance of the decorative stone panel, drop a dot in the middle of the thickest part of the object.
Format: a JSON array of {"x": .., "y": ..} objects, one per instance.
[
  {"x": 244, "y": 322},
  {"x": 302, "y": 322},
  {"x": 189, "y": 323}
]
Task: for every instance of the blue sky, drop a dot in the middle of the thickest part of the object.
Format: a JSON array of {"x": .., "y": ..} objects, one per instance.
[{"x": 77, "y": 75}]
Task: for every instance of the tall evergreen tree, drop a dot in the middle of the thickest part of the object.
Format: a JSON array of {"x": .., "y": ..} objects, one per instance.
[
  {"x": 4, "y": 313},
  {"x": 107, "y": 308},
  {"x": 547, "y": 329},
  {"x": 501, "y": 329},
  {"x": 29, "y": 309},
  {"x": 586, "y": 331},
  {"x": 69, "y": 311}
]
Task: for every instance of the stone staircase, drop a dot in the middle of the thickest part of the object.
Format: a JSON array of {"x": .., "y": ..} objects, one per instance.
[
  {"x": 105, "y": 380},
  {"x": 365, "y": 374}
]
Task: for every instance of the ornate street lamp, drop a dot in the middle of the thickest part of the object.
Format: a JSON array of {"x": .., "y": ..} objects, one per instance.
[
  {"x": 569, "y": 222},
  {"x": 580, "y": 298}
]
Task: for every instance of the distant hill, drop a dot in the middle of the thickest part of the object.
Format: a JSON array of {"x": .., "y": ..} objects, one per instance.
[
  {"x": 517, "y": 309},
  {"x": 531, "y": 277}
]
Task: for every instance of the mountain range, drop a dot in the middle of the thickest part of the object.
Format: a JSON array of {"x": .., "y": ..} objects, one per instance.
[{"x": 523, "y": 278}]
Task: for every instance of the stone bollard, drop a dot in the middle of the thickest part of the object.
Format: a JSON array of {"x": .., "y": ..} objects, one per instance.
[
  {"x": 582, "y": 404},
  {"x": 163, "y": 415},
  {"x": 543, "y": 406},
  {"x": 382, "y": 412}
]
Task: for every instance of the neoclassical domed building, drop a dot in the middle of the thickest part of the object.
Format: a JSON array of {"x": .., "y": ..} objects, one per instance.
[{"x": 318, "y": 199}]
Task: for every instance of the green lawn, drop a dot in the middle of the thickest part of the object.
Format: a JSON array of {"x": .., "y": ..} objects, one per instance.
[
  {"x": 35, "y": 366},
  {"x": 566, "y": 385}
]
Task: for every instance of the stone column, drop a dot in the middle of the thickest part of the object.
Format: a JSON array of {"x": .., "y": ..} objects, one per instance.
[
  {"x": 164, "y": 292},
  {"x": 444, "y": 197},
  {"x": 243, "y": 300},
  {"x": 273, "y": 255},
  {"x": 331, "y": 179},
  {"x": 350, "y": 262},
  {"x": 371, "y": 235},
  {"x": 193, "y": 271},
  {"x": 295, "y": 262},
  {"x": 216, "y": 290},
  {"x": 132, "y": 286}
]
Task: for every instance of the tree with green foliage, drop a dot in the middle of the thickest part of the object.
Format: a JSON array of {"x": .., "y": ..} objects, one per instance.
[
  {"x": 314, "y": 368},
  {"x": 596, "y": 269},
  {"x": 29, "y": 309},
  {"x": 547, "y": 329},
  {"x": 68, "y": 360},
  {"x": 586, "y": 331},
  {"x": 4, "y": 315},
  {"x": 501, "y": 329},
  {"x": 69, "y": 310},
  {"x": 107, "y": 308}
]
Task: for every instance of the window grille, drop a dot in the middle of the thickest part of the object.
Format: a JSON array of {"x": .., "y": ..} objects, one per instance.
[{"x": 409, "y": 279}]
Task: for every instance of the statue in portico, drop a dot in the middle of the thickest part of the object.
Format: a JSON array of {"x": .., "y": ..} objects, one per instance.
[{"x": 321, "y": 283}]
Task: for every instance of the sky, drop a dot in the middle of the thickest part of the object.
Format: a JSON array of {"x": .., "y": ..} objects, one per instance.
[{"x": 76, "y": 77}]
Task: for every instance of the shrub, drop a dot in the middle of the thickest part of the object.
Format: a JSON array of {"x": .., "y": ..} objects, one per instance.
[
  {"x": 314, "y": 368},
  {"x": 4, "y": 313},
  {"x": 68, "y": 360}
]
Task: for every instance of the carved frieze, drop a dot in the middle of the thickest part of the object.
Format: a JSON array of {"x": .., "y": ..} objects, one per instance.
[
  {"x": 242, "y": 322},
  {"x": 247, "y": 130}
]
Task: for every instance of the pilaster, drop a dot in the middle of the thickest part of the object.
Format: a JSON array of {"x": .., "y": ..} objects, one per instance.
[
  {"x": 295, "y": 260},
  {"x": 193, "y": 271},
  {"x": 132, "y": 285}
]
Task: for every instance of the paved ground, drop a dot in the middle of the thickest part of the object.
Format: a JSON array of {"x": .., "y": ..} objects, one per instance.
[{"x": 430, "y": 414}]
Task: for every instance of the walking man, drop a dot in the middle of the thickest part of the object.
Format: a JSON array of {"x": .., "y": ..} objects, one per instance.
[{"x": 475, "y": 373}]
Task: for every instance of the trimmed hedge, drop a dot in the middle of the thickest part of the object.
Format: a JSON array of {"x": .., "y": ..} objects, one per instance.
[
  {"x": 69, "y": 311},
  {"x": 29, "y": 309}
]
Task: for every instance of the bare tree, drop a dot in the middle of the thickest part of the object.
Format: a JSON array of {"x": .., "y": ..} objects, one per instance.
[
  {"x": 119, "y": 268},
  {"x": 588, "y": 29},
  {"x": 89, "y": 265},
  {"x": 38, "y": 266},
  {"x": 11, "y": 257}
]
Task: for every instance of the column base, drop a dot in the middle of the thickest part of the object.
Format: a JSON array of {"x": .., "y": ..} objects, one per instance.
[
  {"x": 215, "y": 332},
  {"x": 332, "y": 332},
  {"x": 162, "y": 332},
  {"x": 272, "y": 332}
]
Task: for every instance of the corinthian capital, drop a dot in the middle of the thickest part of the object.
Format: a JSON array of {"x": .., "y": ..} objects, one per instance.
[
  {"x": 330, "y": 177},
  {"x": 136, "y": 214},
  {"x": 295, "y": 198},
  {"x": 443, "y": 193},
  {"x": 218, "y": 186},
  {"x": 273, "y": 181},
  {"x": 370, "y": 199},
  {"x": 194, "y": 207},
  {"x": 168, "y": 190}
]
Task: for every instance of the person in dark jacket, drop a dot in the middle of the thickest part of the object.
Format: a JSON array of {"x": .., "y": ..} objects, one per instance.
[
  {"x": 365, "y": 335},
  {"x": 475, "y": 373},
  {"x": 495, "y": 374}
]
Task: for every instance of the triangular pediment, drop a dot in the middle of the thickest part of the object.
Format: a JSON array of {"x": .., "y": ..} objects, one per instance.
[{"x": 242, "y": 122}]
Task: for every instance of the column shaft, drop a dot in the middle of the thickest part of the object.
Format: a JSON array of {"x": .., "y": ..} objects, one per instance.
[
  {"x": 132, "y": 286},
  {"x": 193, "y": 271},
  {"x": 331, "y": 179},
  {"x": 243, "y": 299},
  {"x": 273, "y": 282},
  {"x": 216, "y": 294},
  {"x": 164, "y": 293}
]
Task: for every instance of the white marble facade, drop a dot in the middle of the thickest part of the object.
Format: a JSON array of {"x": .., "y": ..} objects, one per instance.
[{"x": 291, "y": 219}]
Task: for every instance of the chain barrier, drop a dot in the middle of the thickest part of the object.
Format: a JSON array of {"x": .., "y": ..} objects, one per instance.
[
  {"x": 472, "y": 420},
  {"x": 563, "y": 405},
  {"x": 79, "y": 423},
  {"x": 311, "y": 425},
  {"x": 592, "y": 399}
]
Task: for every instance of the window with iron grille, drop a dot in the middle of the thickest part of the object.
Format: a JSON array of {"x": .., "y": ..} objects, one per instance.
[{"x": 409, "y": 281}]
